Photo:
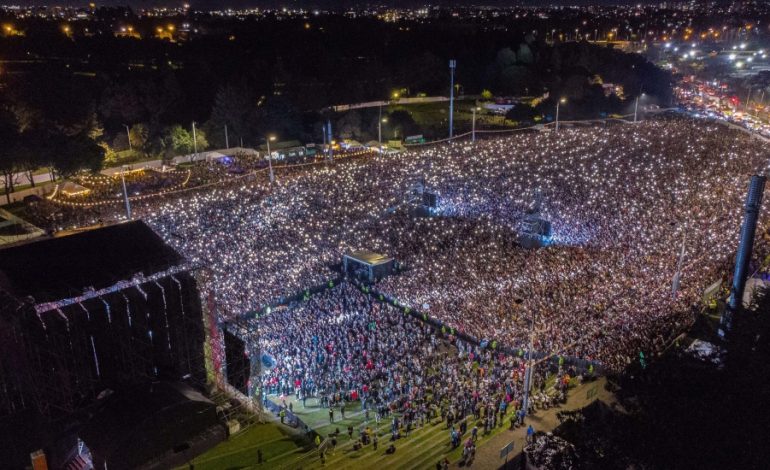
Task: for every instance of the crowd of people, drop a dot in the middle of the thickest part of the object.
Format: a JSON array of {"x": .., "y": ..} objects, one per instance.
[
  {"x": 625, "y": 201},
  {"x": 342, "y": 345}
]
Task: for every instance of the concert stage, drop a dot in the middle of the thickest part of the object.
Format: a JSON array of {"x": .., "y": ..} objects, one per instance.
[{"x": 92, "y": 313}]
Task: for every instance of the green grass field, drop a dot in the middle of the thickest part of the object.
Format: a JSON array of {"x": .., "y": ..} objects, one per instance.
[
  {"x": 283, "y": 447},
  {"x": 240, "y": 451},
  {"x": 434, "y": 117}
]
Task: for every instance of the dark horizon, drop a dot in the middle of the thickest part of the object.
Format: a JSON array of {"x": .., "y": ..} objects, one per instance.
[{"x": 332, "y": 5}]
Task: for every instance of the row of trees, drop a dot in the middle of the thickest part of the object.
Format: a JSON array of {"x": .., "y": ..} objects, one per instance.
[
  {"x": 27, "y": 147},
  {"x": 25, "y": 150},
  {"x": 171, "y": 141},
  {"x": 272, "y": 76},
  {"x": 100, "y": 85},
  {"x": 594, "y": 80}
]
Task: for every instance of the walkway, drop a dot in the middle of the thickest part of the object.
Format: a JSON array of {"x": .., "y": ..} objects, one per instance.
[{"x": 14, "y": 229}]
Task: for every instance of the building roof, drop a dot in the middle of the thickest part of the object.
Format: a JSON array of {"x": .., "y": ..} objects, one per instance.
[
  {"x": 286, "y": 144},
  {"x": 57, "y": 268},
  {"x": 368, "y": 257},
  {"x": 131, "y": 427}
]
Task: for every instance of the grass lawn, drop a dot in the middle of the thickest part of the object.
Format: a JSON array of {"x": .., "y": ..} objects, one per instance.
[
  {"x": 283, "y": 447},
  {"x": 240, "y": 451},
  {"x": 422, "y": 449},
  {"x": 434, "y": 117}
]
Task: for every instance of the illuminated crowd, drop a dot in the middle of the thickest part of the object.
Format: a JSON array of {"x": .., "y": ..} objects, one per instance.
[
  {"x": 622, "y": 199},
  {"x": 343, "y": 345}
]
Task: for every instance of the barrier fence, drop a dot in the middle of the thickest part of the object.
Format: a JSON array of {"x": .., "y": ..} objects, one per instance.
[{"x": 582, "y": 365}]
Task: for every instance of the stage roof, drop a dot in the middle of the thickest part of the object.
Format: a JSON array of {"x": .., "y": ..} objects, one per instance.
[
  {"x": 134, "y": 426},
  {"x": 368, "y": 257},
  {"x": 57, "y": 268}
]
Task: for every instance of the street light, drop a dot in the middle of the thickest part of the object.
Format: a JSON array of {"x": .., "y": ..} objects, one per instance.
[
  {"x": 452, "y": 67},
  {"x": 125, "y": 193},
  {"x": 270, "y": 158},
  {"x": 636, "y": 107},
  {"x": 530, "y": 365},
  {"x": 562, "y": 100},
  {"x": 128, "y": 134},
  {"x": 473, "y": 129},
  {"x": 195, "y": 144},
  {"x": 379, "y": 130},
  {"x": 748, "y": 97}
]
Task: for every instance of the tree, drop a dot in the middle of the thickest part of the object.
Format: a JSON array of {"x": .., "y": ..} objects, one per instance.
[
  {"x": 110, "y": 156},
  {"x": 235, "y": 106},
  {"x": 139, "y": 135},
  {"x": 575, "y": 86},
  {"x": 77, "y": 153},
  {"x": 513, "y": 74},
  {"x": 56, "y": 100},
  {"x": 505, "y": 58},
  {"x": 201, "y": 140},
  {"x": 9, "y": 161},
  {"x": 521, "y": 112},
  {"x": 135, "y": 99},
  {"x": 400, "y": 124},
  {"x": 486, "y": 94},
  {"x": 181, "y": 141},
  {"x": 33, "y": 152},
  {"x": 525, "y": 55},
  {"x": 279, "y": 115},
  {"x": 349, "y": 125}
]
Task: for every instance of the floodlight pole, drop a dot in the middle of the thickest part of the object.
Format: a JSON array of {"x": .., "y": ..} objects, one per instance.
[
  {"x": 379, "y": 129},
  {"x": 452, "y": 67},
  {"x": 270, "y": 161},
  {"x": 473, "y": 128},
  {"x": 748, "y": 97},
  {"x": 636, "y": 109},
  {"x": 195, "y": 143},
  {"x": 530, "y": 367},
  {"x": 745, "y": 247},
  {"x": 227, "y": 141},
  {"x": 128, "y": 134},
  {"x": 125, "y": 194}
]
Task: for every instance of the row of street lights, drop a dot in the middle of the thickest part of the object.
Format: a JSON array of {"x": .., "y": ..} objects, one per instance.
[{"x": 380, "y": 122}]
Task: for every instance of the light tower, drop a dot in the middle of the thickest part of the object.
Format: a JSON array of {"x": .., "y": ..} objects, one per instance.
[
  {"x": 452, "y": 67},
  {"x": 742, "y": 258}
]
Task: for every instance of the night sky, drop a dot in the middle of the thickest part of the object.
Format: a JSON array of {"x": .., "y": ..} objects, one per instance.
[{"x": 333, "y": 4}]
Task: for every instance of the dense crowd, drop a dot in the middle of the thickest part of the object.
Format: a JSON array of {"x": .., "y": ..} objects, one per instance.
[
  {"x": 622, "y": 200},
  {"x": 342, "y": 345}
]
